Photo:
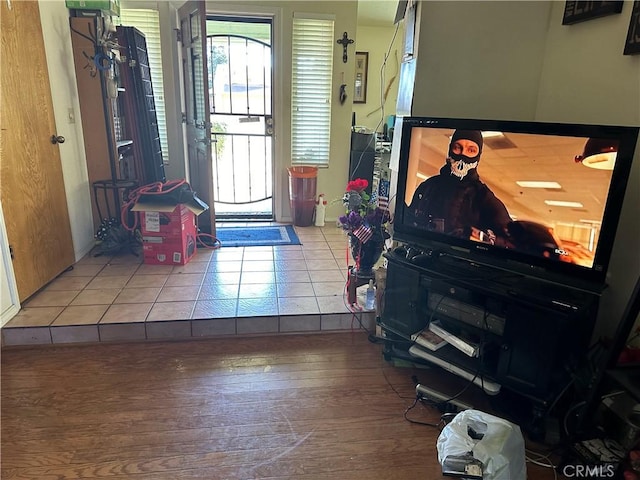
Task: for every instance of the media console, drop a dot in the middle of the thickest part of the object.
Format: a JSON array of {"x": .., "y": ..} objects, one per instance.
[{"x": 531, "y": 334}]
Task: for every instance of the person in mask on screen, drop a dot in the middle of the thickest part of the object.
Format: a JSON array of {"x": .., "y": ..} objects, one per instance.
[{"x": 456, "y": 201}]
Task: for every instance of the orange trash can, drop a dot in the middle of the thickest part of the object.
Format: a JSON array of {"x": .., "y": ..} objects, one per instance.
[{"x": 302, "y": 194}]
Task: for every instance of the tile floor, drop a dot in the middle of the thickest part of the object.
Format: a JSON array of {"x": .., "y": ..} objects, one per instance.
[{"x": 228, "y": 291}]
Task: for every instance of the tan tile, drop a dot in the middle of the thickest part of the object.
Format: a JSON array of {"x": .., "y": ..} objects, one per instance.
[
  {"x": 212, "y": 291},
  {"x": 191, "y": 267},
  {"x": 300, "y": 323},
  {"x": 105, "y": 296},
  {"x": 138, "y": 295},
  {"x": 318, "y": 254},
  {"x": 147, "y": 280},
  {"x": 332, "y": 304},
  {"x": 295, "y": 290},
  {"x": 288, "y": 265},
  {"x": 311, "y": 246},
  {"x": 232, "y": 278},
  {"x": 215, "y": 309},
  {"x": 324, "y": 264},
  {"x": 163, "y": 311},
  {"x": 202, "y": 255},
  {"x": 184, "y": 279},
  {"x": 230, "y": 266},
  {"x": 213, "y": 327},
  {"x": 176, "y": 294},
  {"x": 257, "y": 266},
  {"x": 126, "y": 259},
  {"x": 327, "y": 289},
  {"x": 26, "y": 336},
  {"x": 75, "y": 334},
  {"x": 288, "y": 255},
  {"x": 80, "y": 315},
  {"x": 52, "y": 298},
  {"x": 83, "y": 270},
  {"x": 298, "y": 306},
  {"x": 118, "y": 270},
  {"x": 177, "y": 329},
  {"x": 146, "y": 269},
  {"x": 69, "y": 283},
  {"x": 257, "y": 277},
  {"x": 34, "y": 317},
  {"x": 292, "y": 276},
  {"x": 228, "y": 254},
  {"x": 107, "y": 282},
  {"x": 127, "y": 313},
  {"x": 91, "y": 259},
  {"x": 112, "y": 332},
  {"x": 257, "y": 290},
  {"x": 326, "y": 275},
  {"x": 259, "y": 255}
]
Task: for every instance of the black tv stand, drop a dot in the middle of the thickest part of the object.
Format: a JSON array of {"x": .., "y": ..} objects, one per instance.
[{"x": 533, "y": 333}]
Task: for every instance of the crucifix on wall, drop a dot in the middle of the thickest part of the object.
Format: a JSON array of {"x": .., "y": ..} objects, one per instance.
[{"x": 345, "y": 41}]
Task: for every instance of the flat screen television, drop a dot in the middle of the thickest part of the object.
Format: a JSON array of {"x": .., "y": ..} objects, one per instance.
[{"x": 529, "y": 199}]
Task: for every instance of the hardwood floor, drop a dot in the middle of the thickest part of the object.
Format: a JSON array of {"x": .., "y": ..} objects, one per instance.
[{"x": 320, "y": 406}]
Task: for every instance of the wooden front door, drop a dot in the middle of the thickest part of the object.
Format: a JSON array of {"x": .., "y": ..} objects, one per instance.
[{"x": 31, "y": 183}]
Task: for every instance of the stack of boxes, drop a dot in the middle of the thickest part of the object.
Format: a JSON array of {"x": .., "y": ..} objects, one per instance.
[{"x": 168, "y": 238}]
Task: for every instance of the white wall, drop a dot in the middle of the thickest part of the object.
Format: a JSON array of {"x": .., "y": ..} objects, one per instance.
[
  {"x": 515, "y": 60},
  {"x": 586, "y": 78},
  {"x": 57, "y": 40},
  {"x": 377, "y": 41}
]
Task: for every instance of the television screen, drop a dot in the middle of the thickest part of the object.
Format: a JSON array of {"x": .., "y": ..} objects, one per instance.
[{"x": 523, "y": 195}]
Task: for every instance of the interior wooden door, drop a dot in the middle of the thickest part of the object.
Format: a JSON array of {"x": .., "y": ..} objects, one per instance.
[
  {"x": 197, "y": 106},
  {"x": 32, "y": 185}
]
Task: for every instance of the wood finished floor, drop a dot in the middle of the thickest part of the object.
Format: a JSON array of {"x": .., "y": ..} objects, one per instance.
[{"x": 318, "y": 406}]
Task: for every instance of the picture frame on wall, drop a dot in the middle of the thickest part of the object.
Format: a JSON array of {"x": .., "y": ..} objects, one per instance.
[
  {"x": 360, "y": 79},
  {"x": 576, "y": 11},
  {"x": 632, "y": 43}
]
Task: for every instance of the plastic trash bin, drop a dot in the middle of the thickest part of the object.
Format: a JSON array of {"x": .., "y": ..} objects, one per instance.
[{"x": 302, "y": 194}]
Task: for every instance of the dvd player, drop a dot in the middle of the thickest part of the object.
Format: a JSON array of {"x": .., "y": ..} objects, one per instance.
[{"x": 490, "y": 387}]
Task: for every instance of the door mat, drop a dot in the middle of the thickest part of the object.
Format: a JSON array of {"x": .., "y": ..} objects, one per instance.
[{"x": 257, "y": 236}]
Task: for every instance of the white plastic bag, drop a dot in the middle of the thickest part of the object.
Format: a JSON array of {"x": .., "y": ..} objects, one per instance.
[{"x": 501, "y": 448}]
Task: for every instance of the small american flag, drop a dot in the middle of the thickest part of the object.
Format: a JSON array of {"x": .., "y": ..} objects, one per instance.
[
  {"x": 383, "y": 193},
  {"x": 363, "y": 233}
]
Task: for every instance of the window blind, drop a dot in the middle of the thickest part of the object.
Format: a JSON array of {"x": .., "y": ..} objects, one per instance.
[
  {"x": 148, "y": 22},
  {"x": 311, "y": 81}
]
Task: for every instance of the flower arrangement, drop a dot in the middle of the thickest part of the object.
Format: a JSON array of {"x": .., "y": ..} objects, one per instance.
[{"x": 363, "y": 219}]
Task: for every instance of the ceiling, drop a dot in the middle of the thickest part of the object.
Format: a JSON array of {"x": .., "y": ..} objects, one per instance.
[{"x": 378, "y": 13}]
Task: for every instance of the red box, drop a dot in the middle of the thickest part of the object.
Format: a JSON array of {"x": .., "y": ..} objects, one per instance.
[
  {"x": 171, "y": 224},
  {"x": 166, "y": 252},
  {"x": 168, "y": 238},
  {"x": 168, "y": 229}
]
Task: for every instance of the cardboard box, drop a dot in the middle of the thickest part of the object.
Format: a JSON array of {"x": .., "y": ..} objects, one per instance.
[
  {"x": 111, "y": 7},
  {"x": 169, "y": 224},
  {"x": 168, "y": 238},
  {"x": 168, "y": 227},
  {"x": 163, "y": 251}
]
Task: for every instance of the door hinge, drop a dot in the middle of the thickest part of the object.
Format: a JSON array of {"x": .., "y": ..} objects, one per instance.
[
  {"x": 178, "y": 35},
  {"x": 183, "y": 117},
  {"x": 11, "y": 252}
]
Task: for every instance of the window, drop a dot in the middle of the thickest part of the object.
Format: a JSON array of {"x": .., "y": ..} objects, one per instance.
[
  {"x": 148, "y": 22},
  {"x": 311, "y": 79}
]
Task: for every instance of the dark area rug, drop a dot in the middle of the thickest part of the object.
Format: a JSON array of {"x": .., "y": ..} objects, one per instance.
[{"x": 257, "y": 236}]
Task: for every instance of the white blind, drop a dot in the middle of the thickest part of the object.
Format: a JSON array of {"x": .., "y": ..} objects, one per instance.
[
  {"x": 311, "y": 81},
  {"x": 148, "y": 22}
]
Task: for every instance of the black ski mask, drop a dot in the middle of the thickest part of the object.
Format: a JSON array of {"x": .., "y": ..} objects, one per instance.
[{"x": 461, "y": 164}]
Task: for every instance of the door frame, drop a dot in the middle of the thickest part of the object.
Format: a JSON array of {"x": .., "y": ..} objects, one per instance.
[{"x": 280, "y": 118}]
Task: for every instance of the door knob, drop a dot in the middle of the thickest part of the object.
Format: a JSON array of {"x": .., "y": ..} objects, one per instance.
[{"x": 57, "y": 139}]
